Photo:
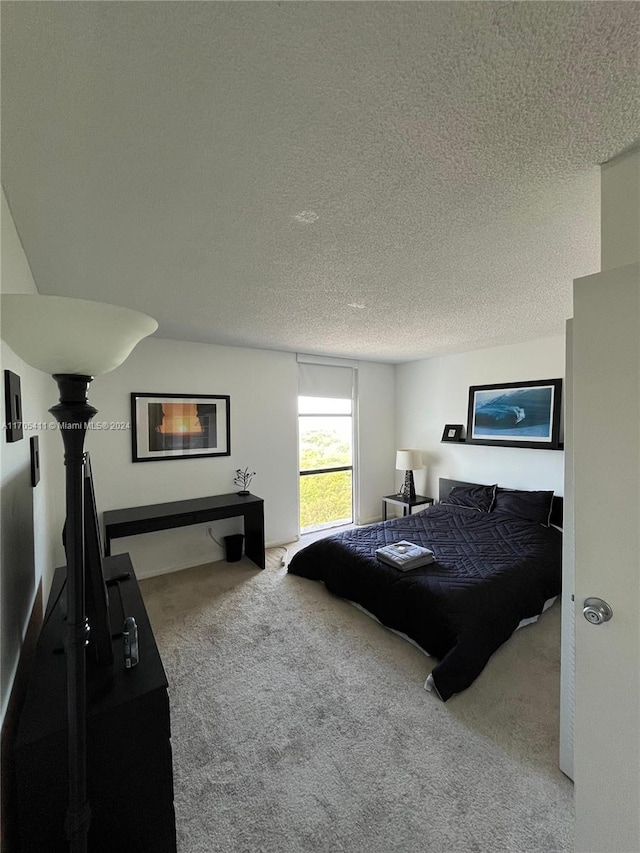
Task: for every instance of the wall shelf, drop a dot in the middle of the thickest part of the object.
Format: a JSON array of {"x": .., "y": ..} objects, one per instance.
[{"x": 517, "y": 447}]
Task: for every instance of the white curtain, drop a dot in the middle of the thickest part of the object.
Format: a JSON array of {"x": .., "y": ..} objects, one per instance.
[{"x": 323, "y": 380}]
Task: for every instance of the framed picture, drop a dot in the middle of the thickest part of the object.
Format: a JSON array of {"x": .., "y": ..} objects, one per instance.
[
  {"x": 452, "y": 432},
  {"x": 12, "y": 406},
  {"x": 515, "y": 414},
  {"x": 34, "y": 443},
  {"x": 180, "y": 426}
]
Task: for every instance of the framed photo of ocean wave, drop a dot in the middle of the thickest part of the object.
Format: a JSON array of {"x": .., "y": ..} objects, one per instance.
[{"x": 516, "y": 414}]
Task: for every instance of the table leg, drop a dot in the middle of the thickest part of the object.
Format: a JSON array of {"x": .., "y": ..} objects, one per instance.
[{"x": 254, "y": 536}]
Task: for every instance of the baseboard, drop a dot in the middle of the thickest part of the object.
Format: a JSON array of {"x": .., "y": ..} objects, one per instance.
[
  {"x": 376, "y": 520},
  {"x": 9, "y": 841},
  {"x": 167, "y": 570},
  {"x": 282, "y": 543}
]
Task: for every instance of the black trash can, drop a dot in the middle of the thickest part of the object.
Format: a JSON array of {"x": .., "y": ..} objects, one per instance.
[{"x": 233, "y": 544}]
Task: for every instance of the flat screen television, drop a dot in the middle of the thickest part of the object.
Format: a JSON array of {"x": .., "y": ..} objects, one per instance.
[{"x": 100, "y": 647}]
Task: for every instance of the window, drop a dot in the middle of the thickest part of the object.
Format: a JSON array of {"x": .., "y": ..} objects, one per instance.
[{"x": 326, "y": 462}]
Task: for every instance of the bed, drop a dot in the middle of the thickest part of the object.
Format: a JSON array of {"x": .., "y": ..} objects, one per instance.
[{"x": 497, "y": 565}]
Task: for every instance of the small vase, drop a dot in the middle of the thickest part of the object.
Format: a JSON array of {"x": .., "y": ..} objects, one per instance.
[{"x": 244, "y": 492}]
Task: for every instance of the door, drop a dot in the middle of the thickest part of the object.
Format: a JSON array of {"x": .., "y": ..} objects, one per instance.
[{"x": 605, "y": 458}]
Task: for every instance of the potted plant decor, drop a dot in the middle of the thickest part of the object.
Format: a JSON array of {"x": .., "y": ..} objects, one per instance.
[{"x": 243, "y": 479}]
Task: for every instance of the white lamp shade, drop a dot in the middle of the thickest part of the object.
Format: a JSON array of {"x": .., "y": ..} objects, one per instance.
[
  {"x": 62, "y": 335},
  {"x": 408, "y": 460}
]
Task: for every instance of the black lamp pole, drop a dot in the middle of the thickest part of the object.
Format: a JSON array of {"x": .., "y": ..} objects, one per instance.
[{"x": 73, "y": 413}]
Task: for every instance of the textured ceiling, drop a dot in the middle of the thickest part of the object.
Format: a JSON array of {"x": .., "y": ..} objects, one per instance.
[{"x": 383, "y": 181}]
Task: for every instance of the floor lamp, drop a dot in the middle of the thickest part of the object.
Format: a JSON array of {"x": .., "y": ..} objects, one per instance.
[{"x": 74, "y": 340}]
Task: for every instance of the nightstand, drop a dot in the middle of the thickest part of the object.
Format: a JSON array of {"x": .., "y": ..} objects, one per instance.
[{"x": 407, "y": 506}]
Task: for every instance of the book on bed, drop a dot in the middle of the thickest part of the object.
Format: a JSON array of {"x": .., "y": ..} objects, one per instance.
[{"x": 405, "y": 555}]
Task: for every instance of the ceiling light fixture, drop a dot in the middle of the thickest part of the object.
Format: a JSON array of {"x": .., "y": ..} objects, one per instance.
[{"x": 307, "y": 216}]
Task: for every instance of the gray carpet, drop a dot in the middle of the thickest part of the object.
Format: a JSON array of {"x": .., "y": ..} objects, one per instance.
[{"x": 300, "y": 724}]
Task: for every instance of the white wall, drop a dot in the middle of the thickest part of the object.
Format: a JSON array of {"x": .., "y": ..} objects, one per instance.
[
  {"x": 376, "y": 438},
  {"x": 30, "y": 519},
  {"x": 262, "y": 386},
  {"x": 620, "y": 211},
  {"x": 435, "y": 391}
]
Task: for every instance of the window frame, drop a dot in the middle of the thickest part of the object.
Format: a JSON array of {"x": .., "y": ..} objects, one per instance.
[{"x": 336, "y": 468}]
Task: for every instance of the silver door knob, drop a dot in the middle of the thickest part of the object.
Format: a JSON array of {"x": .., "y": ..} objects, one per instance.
[{"x": 596, "y": 611}]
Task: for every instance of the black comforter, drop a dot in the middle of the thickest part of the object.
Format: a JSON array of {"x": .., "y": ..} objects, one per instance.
[{"x": 491, "y": 571}]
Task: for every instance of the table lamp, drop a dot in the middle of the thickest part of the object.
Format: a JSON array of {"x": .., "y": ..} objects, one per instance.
[
  {"x": 408, "y": 461},
  {"x": 74, "y": 340}
]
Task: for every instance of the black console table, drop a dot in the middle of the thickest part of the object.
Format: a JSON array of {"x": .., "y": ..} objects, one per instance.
[
  {"x": 148, "y": 519},
  {"x": 129, "y": 765}
]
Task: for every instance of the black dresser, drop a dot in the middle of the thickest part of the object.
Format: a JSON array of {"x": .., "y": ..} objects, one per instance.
[{"x": 129, "y": 765}]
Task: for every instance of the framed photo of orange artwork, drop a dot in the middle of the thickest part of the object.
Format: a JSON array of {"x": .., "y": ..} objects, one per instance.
[{"x": 179, "y": 426}]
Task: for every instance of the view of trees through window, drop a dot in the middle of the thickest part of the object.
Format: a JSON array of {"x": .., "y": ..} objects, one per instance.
[{"x": 326, "y": 460}]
